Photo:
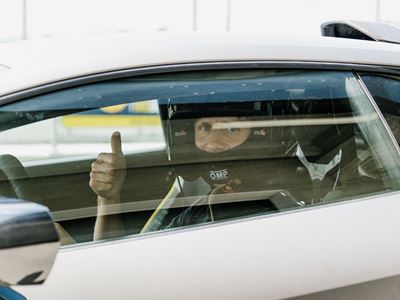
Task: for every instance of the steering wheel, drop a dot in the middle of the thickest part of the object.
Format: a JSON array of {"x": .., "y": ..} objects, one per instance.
[
  {"x": 24, "y": 189},
  {"x": 18, "y": 178}
]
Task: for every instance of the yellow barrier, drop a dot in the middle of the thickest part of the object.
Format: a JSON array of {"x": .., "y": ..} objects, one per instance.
[{"x": 110, "y": 120}]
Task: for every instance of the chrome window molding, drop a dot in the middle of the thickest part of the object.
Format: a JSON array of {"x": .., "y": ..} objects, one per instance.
[{"x": 139, "y": 71}]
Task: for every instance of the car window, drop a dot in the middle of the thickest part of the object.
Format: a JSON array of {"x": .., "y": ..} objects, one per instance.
[
  {"x": 386, "y": 93},
  {"x": 206, "y": 147}
]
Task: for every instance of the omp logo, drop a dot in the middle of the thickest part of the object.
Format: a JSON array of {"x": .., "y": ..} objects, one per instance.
[
  {"x": 219, "y": 175},
  {"x": 180, "y": 133}
]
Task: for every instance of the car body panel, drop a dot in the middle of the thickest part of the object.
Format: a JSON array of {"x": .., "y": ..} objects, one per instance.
[
  {"x": 52, "y": 60},
  {"x": 271, "y": 257}
]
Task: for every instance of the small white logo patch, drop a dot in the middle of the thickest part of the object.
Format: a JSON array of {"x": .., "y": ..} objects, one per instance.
[
  {"x": 260, "y": 132},
  {"x": 219, "y": 175},
  {"x": 180, "y": 133}
]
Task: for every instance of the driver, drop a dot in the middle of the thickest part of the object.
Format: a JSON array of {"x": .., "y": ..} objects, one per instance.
[{"x": 209, "y": 133}]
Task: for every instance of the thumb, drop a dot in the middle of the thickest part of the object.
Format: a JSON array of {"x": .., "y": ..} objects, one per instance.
[{"x": 116, "y": 143}]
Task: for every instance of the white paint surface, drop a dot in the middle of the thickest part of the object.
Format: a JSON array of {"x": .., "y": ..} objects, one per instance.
[{"x": 272, "y": 257}]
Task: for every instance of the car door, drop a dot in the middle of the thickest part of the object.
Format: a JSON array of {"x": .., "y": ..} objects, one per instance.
[{"x": 305, "y": 201}]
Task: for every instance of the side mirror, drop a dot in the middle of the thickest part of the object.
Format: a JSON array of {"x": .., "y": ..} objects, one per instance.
[
  {"x": 360, "y": 30},
  {"x": 28, "y": 242}
]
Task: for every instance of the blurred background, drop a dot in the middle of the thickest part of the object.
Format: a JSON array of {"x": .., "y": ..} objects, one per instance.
[{"x": 29, "y": 19}]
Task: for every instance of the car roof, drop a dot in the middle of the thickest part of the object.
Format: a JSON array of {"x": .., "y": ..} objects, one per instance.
[{"x": 27, "y": 64}]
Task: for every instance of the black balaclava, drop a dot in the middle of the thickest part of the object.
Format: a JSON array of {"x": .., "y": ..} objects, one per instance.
[{"x": 237, "y": 164}]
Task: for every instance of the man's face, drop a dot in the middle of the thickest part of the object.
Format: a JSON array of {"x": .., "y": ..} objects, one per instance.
[{"x": 212, "y": 140}]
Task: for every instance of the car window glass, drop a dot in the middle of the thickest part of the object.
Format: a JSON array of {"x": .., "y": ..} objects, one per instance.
[
  {"x": 56, "y": 154},
  {"x": 209, "y": 146},
  {"x": 82, "y": 134},
  {"x": 386, "y": 93}
]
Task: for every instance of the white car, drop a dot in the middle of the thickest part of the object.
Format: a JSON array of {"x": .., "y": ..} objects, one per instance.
[{"x": 253, "y": 168}]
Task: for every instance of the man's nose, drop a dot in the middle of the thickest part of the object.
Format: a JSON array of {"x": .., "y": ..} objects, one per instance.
[{"x": 215, "y": 143}]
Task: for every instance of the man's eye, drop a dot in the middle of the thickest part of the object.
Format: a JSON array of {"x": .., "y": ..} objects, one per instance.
[
  {"x": 205, "y": 127},
  {"x": 232, "y": 130}
]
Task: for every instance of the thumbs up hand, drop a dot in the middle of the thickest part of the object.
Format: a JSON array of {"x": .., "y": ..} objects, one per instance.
[{"x": 108, "y": 172}]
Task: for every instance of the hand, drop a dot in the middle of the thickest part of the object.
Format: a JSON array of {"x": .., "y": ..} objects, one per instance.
[{"x": 108, "y": 172}]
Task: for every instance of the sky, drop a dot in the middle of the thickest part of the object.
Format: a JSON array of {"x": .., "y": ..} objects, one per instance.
[{"x": 47, "y": 18}]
